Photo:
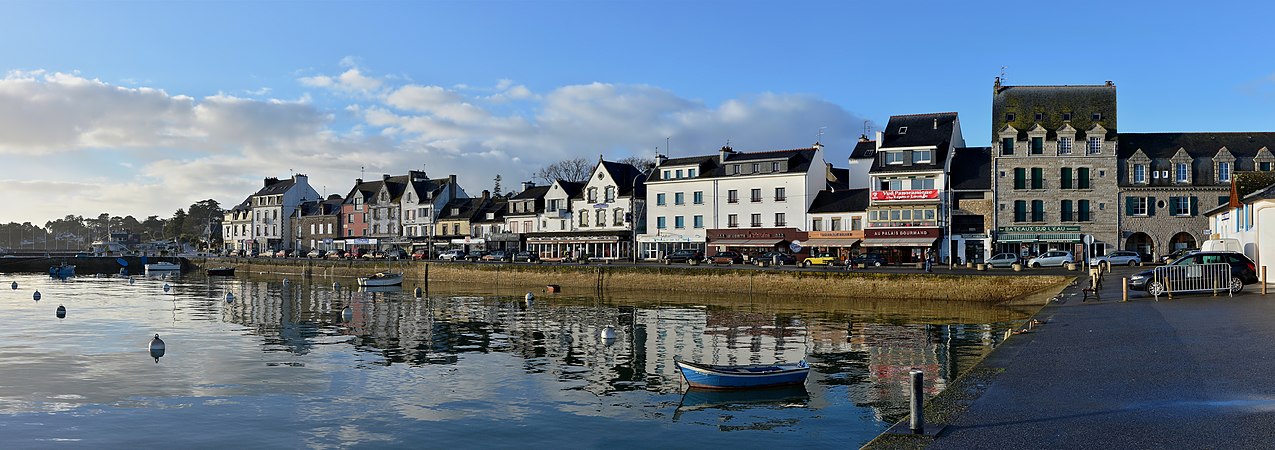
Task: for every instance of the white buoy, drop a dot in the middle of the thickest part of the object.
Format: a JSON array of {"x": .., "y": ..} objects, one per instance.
[
  {"x": 336, "y": 285},
  {"x": 166, "y": 287},
  {"x": 285, "y": 281},
  {"x": 608, "y": 333},
  {"x": 347, "y": 313},
  {"x": 529, "y": 297},
  {"x": 61, "y": 312},
  {"x": 418, "y": 292},
  {"x": 36, "y": 295},
  {"x": 130, "y": 280},
  {"x": 230, "y": 297},
  {"x": 157, "y": 347}
]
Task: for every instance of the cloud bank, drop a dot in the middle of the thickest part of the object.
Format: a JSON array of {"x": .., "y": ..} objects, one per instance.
[{"x": 144, "y": 151}]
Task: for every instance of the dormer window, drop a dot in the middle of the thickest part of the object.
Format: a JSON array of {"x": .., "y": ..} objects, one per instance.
[
  {"x": 1097, "y": 116},
  {"x": 455, "y": 211},
  {"x": 1223, "y": 171},
  {"x": 679, "y": 173},
  {"x": 491, "y": 216},
  {"x": 1010, "y": 117},
  {"x": 1182, "y": 173},
  {"x": 1066, "y": 117},
  {"x": 1140, "y": 173},
  {"x": 690, "y": 173},
  {"x": 1040, "y": 117},
  {"x": 894, "y": 157},
  {"x": 1064, "y": 145},
  {"x": 903, "y": 130},
  {"x": 1095, "y": 145}
]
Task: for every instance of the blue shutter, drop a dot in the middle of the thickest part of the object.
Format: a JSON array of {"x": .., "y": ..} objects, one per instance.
[
  {"x": 1195, "y": 206},
  {"x": 1129, "y": 204},
  {"x": 1150, "y": 206}
]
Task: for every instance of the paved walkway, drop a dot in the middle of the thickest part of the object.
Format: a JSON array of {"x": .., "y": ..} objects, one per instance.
[{"x": 1194, "y": 372}]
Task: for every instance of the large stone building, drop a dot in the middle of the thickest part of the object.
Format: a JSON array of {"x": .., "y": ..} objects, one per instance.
[
  {"x": 1054, "y": 168},
  {"x": 1167, "y": 179}
]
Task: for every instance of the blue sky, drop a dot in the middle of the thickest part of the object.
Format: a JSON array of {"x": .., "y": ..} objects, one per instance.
[{"x": 143, "y": 107}]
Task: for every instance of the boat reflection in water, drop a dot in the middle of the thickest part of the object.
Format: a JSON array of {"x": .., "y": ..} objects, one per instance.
[
  {"x": 795, "y": 396},
  {"x": 381, "y": 289}
]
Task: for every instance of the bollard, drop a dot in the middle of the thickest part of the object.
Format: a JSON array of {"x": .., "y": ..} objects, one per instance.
[
  {"x": 918, "y": 414},
  {"x": 1124, "y": 289},
  {"x": 1263, "y": 280}
]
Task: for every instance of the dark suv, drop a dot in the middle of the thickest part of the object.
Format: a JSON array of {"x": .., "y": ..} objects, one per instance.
[
  {"x": 685, "y": 255},
  {"x": 869, "y": 259},
  {"x": 1243, "y": 271},
  {"x": 727, "y": 257},
  {"x": 776, "y": 258}
]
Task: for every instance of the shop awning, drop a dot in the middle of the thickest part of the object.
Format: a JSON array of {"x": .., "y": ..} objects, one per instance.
[
  {"x": 1047, "y": 237},
  {"x": 899, "y": 242},
  {"x": 746, "y": 242},
  {"x": 830, "y": 242}
]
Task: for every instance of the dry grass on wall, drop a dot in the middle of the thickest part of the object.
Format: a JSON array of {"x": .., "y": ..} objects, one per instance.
[{"x": 804, "y": 284}]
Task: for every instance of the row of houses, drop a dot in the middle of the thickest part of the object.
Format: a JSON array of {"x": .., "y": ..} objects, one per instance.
[{"x": 1058, "y": 175}]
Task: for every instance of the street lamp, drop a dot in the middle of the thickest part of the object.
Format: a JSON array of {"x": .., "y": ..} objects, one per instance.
[{"x": 636, "y": 215}]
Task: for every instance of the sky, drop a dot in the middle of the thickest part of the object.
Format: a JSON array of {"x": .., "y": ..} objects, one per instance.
[{"x": 141, "y": 108}]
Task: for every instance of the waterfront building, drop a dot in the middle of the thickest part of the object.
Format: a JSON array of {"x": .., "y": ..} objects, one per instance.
[
  {"x": 1054, "y": 168},
  {"x": 972, "y": 204},
  {"x": 602, "y": 221},
  {"x": 488, "y": 224},
  {"x": 274, "y": 208},
  {"x": 1166, "y": 179},
  {"x": 1241, "y": 218},
  {"x": 422, "y": 200},
  {"x": 320, "y": 224},
  {"x": 909, "y": 205},
  {"x": 736, "y": 193},
  {"x": 237, "y": 227},
  {"x": 355, "y": 218},
  {"x": 836, "y": 222},
  {"x": 456, "y": 220},
  {"x": 524, "y": 214}
]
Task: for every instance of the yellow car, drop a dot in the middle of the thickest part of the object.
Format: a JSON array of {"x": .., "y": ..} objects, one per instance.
[{"x": 821, "y": 260}]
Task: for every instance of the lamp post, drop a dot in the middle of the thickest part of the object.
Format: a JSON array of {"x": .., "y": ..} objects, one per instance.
[{"x": 636, "y": 215}]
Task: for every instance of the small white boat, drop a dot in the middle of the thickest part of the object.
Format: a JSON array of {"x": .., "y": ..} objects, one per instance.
[
  {"x": 382, "y": 279},
  {"x": 163, "y": 267}
]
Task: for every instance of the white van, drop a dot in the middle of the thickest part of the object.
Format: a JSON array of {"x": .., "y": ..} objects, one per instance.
[{"x": 1222, "y": 245}]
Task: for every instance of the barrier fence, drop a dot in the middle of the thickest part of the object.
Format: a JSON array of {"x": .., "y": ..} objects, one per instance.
[{"x": 1214, "y": 277}]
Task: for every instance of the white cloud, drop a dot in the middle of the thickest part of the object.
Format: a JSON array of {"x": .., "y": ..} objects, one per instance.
[{"x": 166, "y": 151}]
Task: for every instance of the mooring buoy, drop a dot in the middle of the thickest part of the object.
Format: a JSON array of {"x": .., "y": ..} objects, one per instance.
[
  {"x": 36, "y": 295},
  {"x": 157, "y": 348},
  {"x": 61, "y": 312},
  {"x": 347, "y": 313},
  {"x": 166, "y": 287},
  {"x": 418, "y": 292},
  {"x": 14, "y": 285},
  {"x": 230, "y": 297}
]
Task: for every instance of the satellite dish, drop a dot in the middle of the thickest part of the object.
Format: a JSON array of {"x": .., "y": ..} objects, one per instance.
[{"x": 795, "y": 246}]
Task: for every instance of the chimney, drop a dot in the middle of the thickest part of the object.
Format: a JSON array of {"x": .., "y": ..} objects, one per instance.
[
  {"x": 270, "y": 180},
  {"x": 385, "y": 176},
  {"x": 936, "y": 123},
  {"x": 417, "y": 175},
  {"x": 996, "y": 88},
  {"x": 880, "y": 138},
  {"x": 726, "y": 150},
  {"x": 486, "y": 194},
  {"x": 451, "y": 187},
  {"x": 1109, "y": 83},
  {"x": 358, "y": 181},
  {"x": 528, "y": 185},
  {"x": 659, "y": 159}
]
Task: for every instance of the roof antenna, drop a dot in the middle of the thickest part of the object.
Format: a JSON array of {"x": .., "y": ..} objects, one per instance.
[
  {"x": 361, "y": 172},
  {"x": 819, "y": 137},
  {"x": 1003, "y": 77},
  {"x": 867, "y": 127},
  {"x": 667, "y": 151}
]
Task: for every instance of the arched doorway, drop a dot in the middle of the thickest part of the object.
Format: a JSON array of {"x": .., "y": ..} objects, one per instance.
[
  {"x": 1182, "y": 240},
  {"x": 1140, "y": 242}
]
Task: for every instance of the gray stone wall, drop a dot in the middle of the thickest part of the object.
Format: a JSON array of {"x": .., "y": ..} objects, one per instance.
[
  {"x": 1162, "y": 226},
  {"x": 1103, "y": 194}
]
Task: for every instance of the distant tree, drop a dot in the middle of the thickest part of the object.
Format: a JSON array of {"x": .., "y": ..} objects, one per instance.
[
  {"x": 174, "y": 228},
  {"x": 574, "y": 169},
  {"x": 153, "y": 227},
  {"x": 204, "y": 222},
  {"x": 495, "y": 191},
  {"x": 642, "y": 163}
]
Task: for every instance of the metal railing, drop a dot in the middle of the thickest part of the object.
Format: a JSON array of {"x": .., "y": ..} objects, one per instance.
[{"x": 1213, "y": 277}]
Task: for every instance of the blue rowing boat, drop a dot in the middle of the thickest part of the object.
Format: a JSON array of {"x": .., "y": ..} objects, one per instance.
[{"x": 708, "y": 376}]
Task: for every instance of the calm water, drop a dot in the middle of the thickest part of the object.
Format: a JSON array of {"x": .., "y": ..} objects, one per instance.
[{"x": 280, "y": 366}]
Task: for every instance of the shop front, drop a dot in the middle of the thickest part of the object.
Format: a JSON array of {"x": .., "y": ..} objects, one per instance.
[
  {"x": 903, "y": 245},
  {"x": 971, "y": 247},
  {"x": 509, "y": 242},
  {"x": 469, "y": 244},
  {"x": 755, "y": 241},
  {"x": 656, "y": 246},
  {"x": 843, "y": 244},
  {"x": 1033, "y": 240},
  {"x": 577, "y": 246},
  {"x": 361, "y": 245}
]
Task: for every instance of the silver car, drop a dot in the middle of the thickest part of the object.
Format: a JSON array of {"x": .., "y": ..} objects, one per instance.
[
  {"x": 1121, "y": 258},
  {"x": 1051, "y": 258},
  {"x": 1003, "y": 260}
]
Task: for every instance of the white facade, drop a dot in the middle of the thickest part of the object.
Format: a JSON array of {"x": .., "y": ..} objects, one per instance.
[
  {"x": 1245, "y": 224},
  {"x": 423, "y": 199},
  {"x": 557, "y": 215},
  {"x": 273, "y": 209}
]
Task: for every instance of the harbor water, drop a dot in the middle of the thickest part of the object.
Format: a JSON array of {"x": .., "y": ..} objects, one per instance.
[{"x": 306, "y": 363}]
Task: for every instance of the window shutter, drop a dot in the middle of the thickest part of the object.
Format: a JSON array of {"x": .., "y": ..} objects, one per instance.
[
  {"x": 1084, "y": 210},
  {"x": 1082, "y": 178},
  {"x": 1129, "y": 204},
  {"x": 1038, "y": 178},
  {"x": 1195, "y": 206},
  {"x": 1064, "y": 175},
  {"x": 1066, "y": 210},
  {"x": 1150, "y": 206},
  {"x": 1020, "y": 178},
  {"x": 1020, "y": 210}
]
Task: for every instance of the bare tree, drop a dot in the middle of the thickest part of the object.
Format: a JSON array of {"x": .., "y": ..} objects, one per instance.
[
  {"x": 642, "y": 163},
  {"x": 574, "y": 169}
]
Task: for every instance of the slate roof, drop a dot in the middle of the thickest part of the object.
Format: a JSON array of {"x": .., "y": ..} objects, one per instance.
[
  {"x": 1198, "y": 145},
  {"x": 468, "y": 208},
  {"x": 571, "y": 188},
  {"x": 864, "y": 149},
  {"x": 624, "y": 176},
  {"x": 851, "y": 200},
  {"x": 496, "y": 206},
  {"x": 531, "y": 193},
  {"x": 842, "y": 181},
  {"x": 972, "y": 169},
  {"x": 275, "y": 186},
  {"x": 934, "y": 129},
  {"x": 711, "y": 166},
  {"x": 245, "y": 205},
  {"x": 1052, "y": 101}
]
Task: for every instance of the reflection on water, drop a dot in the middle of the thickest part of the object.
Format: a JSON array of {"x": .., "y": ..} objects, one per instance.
[{"x": 284, "y": 364}]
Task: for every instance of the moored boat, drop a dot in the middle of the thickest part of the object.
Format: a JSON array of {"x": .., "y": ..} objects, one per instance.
[
  {"x": 62, "y": 271},
  {"x": 163, "y": 267},
  {"x": 221, "y": 271},
  {"x": 382, "y": 279},
  {"x": 709, "y": 376}
]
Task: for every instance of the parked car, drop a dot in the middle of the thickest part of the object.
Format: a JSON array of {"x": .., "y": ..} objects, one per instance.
[
  {"x": 356, "y": 253},
  {"x": 1174, "y": 255},
  {"x": 336, "y": 254},
  {"x": 284, "y": 253},
  {"x": 869, "y": 259},
  {"x": 726, "y": 257},
  {"x": 820, "y": 260},
  {"x": 1052, "y": 258},
  {"x": 420, "y": 254},
  {"x": 1003, "y": 260},
  {"x": 684, "y": 256},
  {"x": 1119, "y": 258},
  {"x": 452, "y": 255},
  {"x": 395, "y": 253},
  {"x": 526, "y": 257},
  {"x": 776, "y": 258},
  {"x": 475, "y": 255},
  {"x": 316, "y": 253},
  {"x": 1243, "y": 271},
  {"x": 497, "y": 255}
]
